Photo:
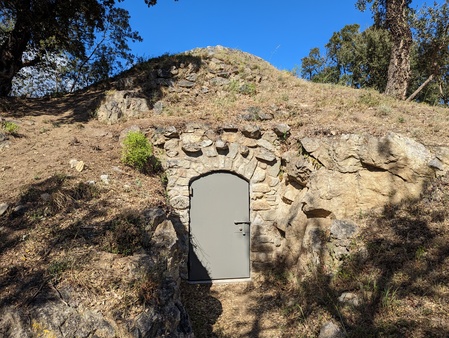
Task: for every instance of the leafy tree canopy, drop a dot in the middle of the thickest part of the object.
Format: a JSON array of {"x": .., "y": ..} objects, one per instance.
[
  {"x": 353, "y": 58},
  {"x": 85, "y": 38},
  {"x": 363, "y": 59}
]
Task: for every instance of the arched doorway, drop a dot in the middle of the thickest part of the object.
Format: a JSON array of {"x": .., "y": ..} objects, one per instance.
[{"x": 219, "y": 228}]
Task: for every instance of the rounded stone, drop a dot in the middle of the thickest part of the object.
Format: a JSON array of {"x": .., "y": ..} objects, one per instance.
[
  {"x": 221, "y": 145},
  {"x": 281, "y": 130}
]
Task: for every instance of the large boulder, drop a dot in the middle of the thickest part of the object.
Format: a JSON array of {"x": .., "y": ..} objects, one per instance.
[
  {"x": 121, "y": 104},
  {"x": 361, "y": 172}
]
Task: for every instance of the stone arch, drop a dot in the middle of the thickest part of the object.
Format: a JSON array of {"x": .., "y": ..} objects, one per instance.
[{"x": 254, "y": 157}]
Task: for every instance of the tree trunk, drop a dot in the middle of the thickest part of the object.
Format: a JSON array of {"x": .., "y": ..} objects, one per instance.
[
  {"x": 399, "y": 69},
  {"x": 11, "y": 52},
  {"x": 8, "y": 66}
]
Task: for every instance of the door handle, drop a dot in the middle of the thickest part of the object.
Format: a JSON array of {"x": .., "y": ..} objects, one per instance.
[{"x": 241, "y": 226}]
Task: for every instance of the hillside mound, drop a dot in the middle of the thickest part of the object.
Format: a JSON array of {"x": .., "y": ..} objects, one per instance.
[{"x": 74, "y": 219}]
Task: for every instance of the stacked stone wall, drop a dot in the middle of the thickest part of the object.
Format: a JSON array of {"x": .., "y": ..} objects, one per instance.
[
  {"x": 251, "y": 153},
  {"x": 303, "y": 192}
]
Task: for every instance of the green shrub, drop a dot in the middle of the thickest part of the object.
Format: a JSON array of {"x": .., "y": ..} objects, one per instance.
[
  {"x": 10, "y": 127},
  {"x": 137, "y": 151}
]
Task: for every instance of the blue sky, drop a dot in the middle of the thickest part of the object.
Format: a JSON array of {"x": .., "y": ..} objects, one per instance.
[{"x": 280, "y": 32}]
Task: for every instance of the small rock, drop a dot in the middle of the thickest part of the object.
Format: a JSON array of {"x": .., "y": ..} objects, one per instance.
[
  {"x": 219, "y": 81},
  {"x": 91, "y": 182},
  {"x": 158, "y": 140},
  {"x": 270, "y": 136},
  {"x": 349, "y": 298},
  {"x": 249, "y": 117},
  {"x": 290, "y": 194},
  {"x": 266, "y": 144},
  {"x": 117, "y": 169},
  {"x": 206, "y": 143},
  {"x": 265, "y": 116},
  {"x": 19, "y": 208},
  {"x": 221, "y": 145},
  {"x": 172, "y": 153},
  {"x": 230, "y": 128},
  {"x": 343, "y": 229},
  {"x": 210, "y": 151},
  {"x": 74, "y": 141},
  {"x": 180, "y": 202},
  {"x": 193, "y": 126},
  {"x": 191, "y": 147},
  {"x": 153, "y": 217},
  {"x": 105, "y": 179},
  {"x": 252, "y": 131},
  {"x": 265, "y": 155},
  {"x": 331, "y": 330},
  {"x": 192, "y": 77},
  {"x": 158, "y": 107},
  {"x": 171, "y": 145},
  {"x": 80, "y": 166},
  {"x": 171, "y": 132},
  {"x": 3, "y": 208},
  {"x": 73, "y": 162},
  {"x": 244, "y": 151},
  {"x": 260, "y": 205},
  {"x": 436, "y": 164},
  {"x": 174, "y": 70},
  {"x": 282, "y": 130},
  {"x": 298, "y": 168},
  {"x": 186, "y": 83}
]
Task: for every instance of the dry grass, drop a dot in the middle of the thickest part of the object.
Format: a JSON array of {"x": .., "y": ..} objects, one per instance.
[{"x": 74, "y": 240}]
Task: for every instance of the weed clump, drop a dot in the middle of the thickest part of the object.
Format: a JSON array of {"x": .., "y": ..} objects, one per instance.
[
  {"x": 137, "y": 151},
  {"x": 10, "y": 127}
]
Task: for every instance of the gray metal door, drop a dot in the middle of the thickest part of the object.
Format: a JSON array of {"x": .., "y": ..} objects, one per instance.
[{"x": 219, "y": 228}]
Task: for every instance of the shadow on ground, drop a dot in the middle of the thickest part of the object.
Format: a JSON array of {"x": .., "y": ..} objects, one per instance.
[
  {"x": 398, "y": 279},
  {"x": 64, "y": 246}
]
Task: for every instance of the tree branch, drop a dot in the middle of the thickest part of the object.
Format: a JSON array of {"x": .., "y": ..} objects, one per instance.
[{"x": 416, "y": 92}]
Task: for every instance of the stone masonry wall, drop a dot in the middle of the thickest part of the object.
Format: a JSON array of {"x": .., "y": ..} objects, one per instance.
[
  {"x": 252, "y": 153},
  {"x": 302, "y": 189}
]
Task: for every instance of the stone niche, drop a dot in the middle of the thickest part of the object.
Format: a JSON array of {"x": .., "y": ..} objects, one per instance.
[{"x": 300, "y": 189}]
